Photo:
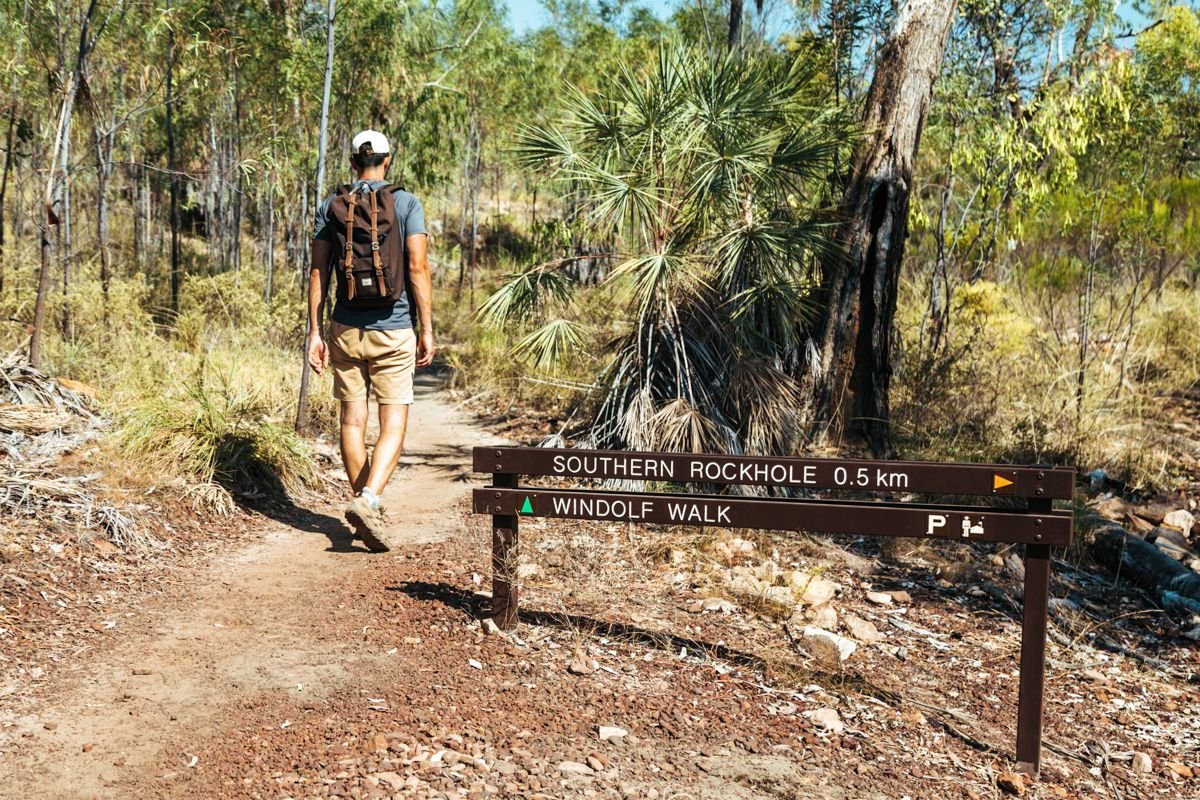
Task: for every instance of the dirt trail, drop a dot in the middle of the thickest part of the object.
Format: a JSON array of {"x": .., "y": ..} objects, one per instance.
[
  {"x": 266, "y": 618},
  {"x": 302, "y": 666}
]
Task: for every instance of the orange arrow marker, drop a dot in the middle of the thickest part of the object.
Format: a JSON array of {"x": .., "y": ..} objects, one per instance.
[{"x": 999, "y": 482}]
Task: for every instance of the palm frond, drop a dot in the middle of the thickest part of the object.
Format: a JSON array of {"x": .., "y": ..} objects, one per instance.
[
  {"x": 523, "y": 295},
  {"x": 548, "y": 347}
]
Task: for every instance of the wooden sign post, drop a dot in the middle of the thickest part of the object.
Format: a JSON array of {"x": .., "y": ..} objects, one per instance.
[{"x": 1027, "y": 517}]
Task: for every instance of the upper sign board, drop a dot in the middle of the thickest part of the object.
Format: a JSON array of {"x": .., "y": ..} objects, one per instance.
[{"x": 921, "y": 477}]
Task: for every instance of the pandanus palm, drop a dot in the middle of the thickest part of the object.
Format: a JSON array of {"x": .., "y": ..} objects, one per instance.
[{"x": 709, "y": 177}]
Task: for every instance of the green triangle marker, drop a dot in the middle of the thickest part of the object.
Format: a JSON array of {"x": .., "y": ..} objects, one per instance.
[{"x": 527, "y": 508}]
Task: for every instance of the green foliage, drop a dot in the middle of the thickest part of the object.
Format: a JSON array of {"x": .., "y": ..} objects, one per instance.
[
  {"x": 709, "y": 175},
  {"x": 220, "y": 435}
]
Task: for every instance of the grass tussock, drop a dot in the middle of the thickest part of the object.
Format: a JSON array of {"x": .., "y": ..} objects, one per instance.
[{"x": 220, "y": 436}]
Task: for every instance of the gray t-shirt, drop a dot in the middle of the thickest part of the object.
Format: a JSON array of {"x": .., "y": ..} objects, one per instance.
[{"x": 410, "y": 216}]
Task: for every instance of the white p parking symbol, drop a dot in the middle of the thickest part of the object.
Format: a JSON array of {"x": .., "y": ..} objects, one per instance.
[{"x": 935, "y": 521}]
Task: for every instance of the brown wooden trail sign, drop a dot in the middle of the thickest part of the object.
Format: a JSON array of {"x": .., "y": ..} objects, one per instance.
[{"x": 1026, "y": 517}]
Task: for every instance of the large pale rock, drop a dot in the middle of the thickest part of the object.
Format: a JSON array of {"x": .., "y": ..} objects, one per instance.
[
  {"x": 861, "y": 629},
  {"x": 767, "y": 571},
  {"x": 811, "y": 589},
  {"x": 1180, "y": 519},
  {"x": 827, "y": 647},
  {"x": 827, "y": 719},
  {"x": 822, "y": 616},
  {"x": 747, "y": 585}
]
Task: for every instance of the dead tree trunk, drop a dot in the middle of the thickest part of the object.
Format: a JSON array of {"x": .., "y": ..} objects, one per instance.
[
  {"x": 1172, "y": 585},
  {"x": 850, "y": 387}
]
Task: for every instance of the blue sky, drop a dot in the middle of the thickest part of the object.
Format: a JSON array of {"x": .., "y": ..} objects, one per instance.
[{"x": 526, "y": 14}]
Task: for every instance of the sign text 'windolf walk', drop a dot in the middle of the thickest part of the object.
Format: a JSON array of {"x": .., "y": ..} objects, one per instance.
[{"x": 818, "y": 495}]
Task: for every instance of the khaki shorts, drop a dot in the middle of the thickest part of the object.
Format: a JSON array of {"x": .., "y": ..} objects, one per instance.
[{"x": 384, "y": 360}]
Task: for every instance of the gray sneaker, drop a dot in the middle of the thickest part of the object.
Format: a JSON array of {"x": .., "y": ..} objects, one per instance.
[{"x": 371, "y": 524}]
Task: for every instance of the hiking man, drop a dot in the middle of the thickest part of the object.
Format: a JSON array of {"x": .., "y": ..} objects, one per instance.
[{"x": 371, "y": 235}]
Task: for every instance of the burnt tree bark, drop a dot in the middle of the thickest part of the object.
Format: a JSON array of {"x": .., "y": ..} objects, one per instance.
[
  {"x": 1174, "y": 586},
  {"x": 849, "y": 388}
]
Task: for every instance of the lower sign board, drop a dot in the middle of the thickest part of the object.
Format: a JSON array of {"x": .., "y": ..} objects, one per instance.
[{"x": 822, "y": 516}]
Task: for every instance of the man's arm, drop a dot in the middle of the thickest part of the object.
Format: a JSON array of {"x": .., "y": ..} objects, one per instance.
[
  {"x": 422, "y": 290},
  {"x": 318, "y": 290}
]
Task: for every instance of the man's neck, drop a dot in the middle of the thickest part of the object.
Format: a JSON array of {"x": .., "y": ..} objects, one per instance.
[{"x": 376, "y": 174}]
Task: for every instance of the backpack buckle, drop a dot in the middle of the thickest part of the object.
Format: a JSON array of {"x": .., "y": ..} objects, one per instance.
[
  {"x": 349, "y": 246},
  {"x": 375, "y": 246}
]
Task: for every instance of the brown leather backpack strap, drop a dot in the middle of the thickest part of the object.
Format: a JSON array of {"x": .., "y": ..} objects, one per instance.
[
  {"x": 375, "y": 255},
  {"x": 348, "y": 263}
]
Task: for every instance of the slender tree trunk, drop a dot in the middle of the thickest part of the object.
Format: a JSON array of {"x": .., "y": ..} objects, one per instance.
[
  {"x": 103, "y": 146},
  {"x": 462, "y": 218},
  {"x": 475, "y": 210},
  {"x": 236, "y": 153},
  {"x": 737, "y": 10},
  {"x": 267, "y": 288},
  {"x": 10, "y": 142},
  {"x": 65, "y": 252},
  {"x": 58, "y": 174},
  {"x": 322, "y": 145},
  {"x": 855, "y": 336},
  {"x": 172, "y": 167}
]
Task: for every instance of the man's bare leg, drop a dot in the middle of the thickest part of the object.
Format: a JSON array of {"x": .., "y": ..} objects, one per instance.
[
  {"x": 393, "y": 422},
  {"x": 354, "y": 443}
]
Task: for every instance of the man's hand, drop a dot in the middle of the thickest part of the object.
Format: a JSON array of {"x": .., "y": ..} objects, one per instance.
[
  {"x": 318, "y": 353},
  {"x": 425, "y": 349}
]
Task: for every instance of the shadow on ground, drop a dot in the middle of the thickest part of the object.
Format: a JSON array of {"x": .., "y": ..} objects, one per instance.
[{"x": 478, "y": 607}]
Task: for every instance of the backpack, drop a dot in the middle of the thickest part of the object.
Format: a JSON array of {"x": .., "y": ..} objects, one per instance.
[{"x": 369, "y": 256}]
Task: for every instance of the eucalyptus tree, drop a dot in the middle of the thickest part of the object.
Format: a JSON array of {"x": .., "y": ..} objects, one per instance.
[
  {"x": 851, "y": 370},
  {"x": 709, "y": 176}
]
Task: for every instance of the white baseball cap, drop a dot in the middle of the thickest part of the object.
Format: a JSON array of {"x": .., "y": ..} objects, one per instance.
[{"x": 377, "y": 141}]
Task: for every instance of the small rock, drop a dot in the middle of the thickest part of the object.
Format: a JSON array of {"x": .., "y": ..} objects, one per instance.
[
  {"x": 1142, "y": 763},
  {"x": 767, "y": 571},
  {"x": 828, "y": 648},
  {"x": 1011, "y": 782},
  {"x": 812, "y": 590},
  {"x": 739, "y": 545},
  {"x": 87, "y": 748},
  {"x": 717, "y": 604},
  {"x": 827, "y": 719},
  {"x": 861, "y": 629},
  {"x": 1182, "y": 770},
  {"x": 901, "y": 597},
  {"x": 879, "y": 598},
  {"x": 489, "y": 626},
  {"x": 747, "y": 585},
  {"x": 595, "y": 764},
  {"x": 1180, "y": 519},
  {"x": 50, "y": 726},
  {"x": 823, "y": 616},
  {"x": 607, "y": 732},
  {"x": 582, "y": 666},
  {"x": 1095, "y": 676},
  {"x": 390, "y": 778},
  {"x": 526, "y": 571},
  {"x": 377, "y": 744},
  {"x": 575, "y": 768}
]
